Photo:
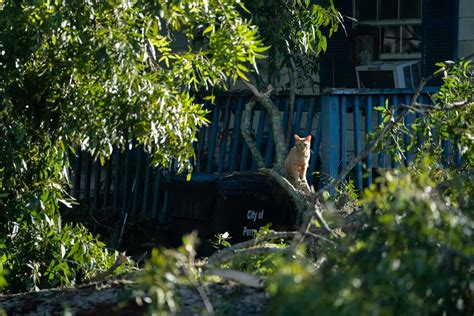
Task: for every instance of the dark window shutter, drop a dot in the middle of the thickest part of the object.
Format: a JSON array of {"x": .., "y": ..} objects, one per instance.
[
  {"x": 439, "y": 25},
  {"x": 336, "y": 65}
]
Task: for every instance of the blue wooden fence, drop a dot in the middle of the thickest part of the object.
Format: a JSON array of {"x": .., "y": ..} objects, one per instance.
[
  {"x": 347, "y": 116},
  {"x": 338, "y": 122}
]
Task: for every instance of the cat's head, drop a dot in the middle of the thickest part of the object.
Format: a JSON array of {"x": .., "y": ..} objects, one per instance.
[{"x": 303, "y": 143}]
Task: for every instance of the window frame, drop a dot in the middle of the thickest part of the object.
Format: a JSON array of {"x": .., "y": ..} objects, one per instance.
[{"x": 391, "y": 22}]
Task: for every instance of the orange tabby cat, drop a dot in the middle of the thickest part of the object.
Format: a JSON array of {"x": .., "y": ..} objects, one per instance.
[{"x": 297, "y": 162}]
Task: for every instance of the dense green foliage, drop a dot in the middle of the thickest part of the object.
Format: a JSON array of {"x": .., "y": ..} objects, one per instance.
[
  {"x": 36, "y": 249},
  {"x": 412, "y": 252},
  {"x": 93, "y": 75},
  {"x": 163, "y": 273},
  {"x": 101, "y": 74},
  {"x": 297, "y": 32}
]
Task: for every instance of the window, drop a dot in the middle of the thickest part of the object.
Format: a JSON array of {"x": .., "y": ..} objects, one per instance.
[{"x": 398, "y": 23}]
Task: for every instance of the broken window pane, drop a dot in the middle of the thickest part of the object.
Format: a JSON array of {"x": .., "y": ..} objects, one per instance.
[
  {"x": 411, "y": 35},
  {"x": 390, "y": 39}
]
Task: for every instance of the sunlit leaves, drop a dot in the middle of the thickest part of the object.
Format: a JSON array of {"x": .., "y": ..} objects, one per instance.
[
  {"x": 114, "y": 72},
  {"x": 296, "y": 33}
]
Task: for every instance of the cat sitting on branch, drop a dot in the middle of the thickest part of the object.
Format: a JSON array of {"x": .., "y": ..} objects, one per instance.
[{"x": 297, "y": 162}]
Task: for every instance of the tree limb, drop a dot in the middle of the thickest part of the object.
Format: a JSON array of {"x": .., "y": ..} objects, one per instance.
[
  {"x": 245, "y": 130},
  {"x": 291, "y": 110},
  {"x": 228, "y": 252},
  {"x": 275, "y": 116},
  {"x": 237, "y": 276},
  {"x": 121, "y": 258}
]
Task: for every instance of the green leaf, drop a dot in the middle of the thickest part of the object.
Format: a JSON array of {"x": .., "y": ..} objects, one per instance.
[
  {"x": 241, "y": 74},
  {"x": 208, "y": 29}
]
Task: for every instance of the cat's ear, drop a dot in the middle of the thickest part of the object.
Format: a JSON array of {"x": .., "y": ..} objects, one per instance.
[
  {"x": 308, "y": 138},
  {"x": 297, "y": 137}
]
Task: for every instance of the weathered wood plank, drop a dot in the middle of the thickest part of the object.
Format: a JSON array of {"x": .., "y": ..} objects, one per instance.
[
  {"x": 107, "y": 181},
  {"x": 330, "y": 136},
  {"x": 137, "y": 179},
  {"x": 315, "y": 153},
  {"x": 236, "y": 137},
  {"x": 97, "y": 176},
  {"x": 381, "y": 157},
  {"x": 77, "y": 175},
  {"x": 147, "y": 185},
  {"x": 156, "y": 194},
  {"x": 117, "y": 172},
  {"x": 368, "y": 129},
  {"x": 126, "y": 181},
  {"x": 343, "y": 131},
  {"x": 213, "y": 137},
  {"x": 310, "y": 117},
  {"x": 87, "y": 179},
  {"x": 357, "y": 141}
]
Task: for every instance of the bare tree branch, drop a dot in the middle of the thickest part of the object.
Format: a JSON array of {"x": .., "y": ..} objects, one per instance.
[
  {"x": 291, "y": 110},
  {"x": 238, "y": 276},
  {"x": 275, "y": 116},
  {"x": 227, "y": 253},
  {"x": 121, "y": 258},
  {"x": 246, "y": 126},
  {"x": 259, "y": 250}
]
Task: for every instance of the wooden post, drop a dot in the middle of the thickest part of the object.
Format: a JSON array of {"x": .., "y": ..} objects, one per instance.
[{"x": 330, "y": 136}]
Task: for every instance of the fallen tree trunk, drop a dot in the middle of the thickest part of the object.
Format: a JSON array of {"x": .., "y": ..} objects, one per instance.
[{"x": 114, "y": 297}]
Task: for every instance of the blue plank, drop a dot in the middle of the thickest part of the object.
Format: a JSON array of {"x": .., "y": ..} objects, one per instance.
[
  {"x": 223, "y": 144},
  {"x": 147, "y": 185},
  {"x": 236, "y": 135},
  {"x": 97, "y": 176},
  {"x": 222, "y": 154},
  {"x": 163, "y": 213},
  {"x": 420, "y": 138},
  {"x": 299, "y": 103},
  {"x": 357, "y": 141},
  {"x": 395, "y": 113},
  {"x": 309, "y": 119},
  {"x": 126, "y": 180},
  {"x": 315, "y": 153},
  {"x": 409, "y": 118},
  {"x": 381, "y": 157},
  {"x": 156, "y": 194},
  {"x": 388, "y": 91},
  {"x": 87, "y": 180},
  {"x": 286, "y": 113},
  {"x": 77, "y": 175},
  {"x": 457, "y": 156},
  {"x": 343, "y": 131},
  {"x": 213, "y": 137},
  {"x": 330, "y": 136},
  {"x": 107, "y": 181},
  {"x": 260, "y": 130},
  {"x": 117, "y": 171},
  {"x": 200, "y": 146},
  {"x": 137, "y": 179},
  {"x": 368, "y": 130}
]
